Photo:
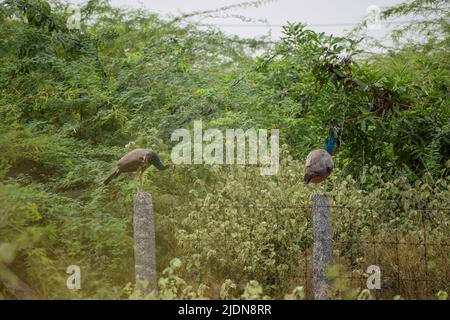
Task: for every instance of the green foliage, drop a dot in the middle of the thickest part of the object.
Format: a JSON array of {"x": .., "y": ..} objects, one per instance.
[
  {"x": 388, "y": 113},
  {"x": 229, "y": 231}
]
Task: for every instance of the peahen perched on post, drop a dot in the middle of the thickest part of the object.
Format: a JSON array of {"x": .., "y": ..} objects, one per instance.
[
  {"x": 319, "y": 162},
  {"x": 138, "y": 161}
]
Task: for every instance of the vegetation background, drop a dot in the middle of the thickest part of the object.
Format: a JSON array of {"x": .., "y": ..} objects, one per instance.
[{"x": 74, "y": 101}]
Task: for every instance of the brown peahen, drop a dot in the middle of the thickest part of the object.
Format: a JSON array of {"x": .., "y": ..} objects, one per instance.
[{"x": 138, "y": 161}]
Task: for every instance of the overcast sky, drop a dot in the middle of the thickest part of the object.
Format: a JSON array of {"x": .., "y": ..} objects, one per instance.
[{"x": 329, "y": 16}]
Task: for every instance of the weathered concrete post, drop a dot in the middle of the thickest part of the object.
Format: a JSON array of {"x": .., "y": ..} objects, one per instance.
[
  {"x": 144, "y": 238},
  {"x": 322, "y": 246},
  {"x": 15, "y": 285}
]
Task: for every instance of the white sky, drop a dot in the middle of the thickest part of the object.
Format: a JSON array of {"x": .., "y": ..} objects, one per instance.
[{"x": 315, "y": 12}]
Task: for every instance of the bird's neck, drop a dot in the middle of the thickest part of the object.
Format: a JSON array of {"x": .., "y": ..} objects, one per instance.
[
  {"x": 160, "y": 166},
  {"x": 154, "y": 159},
  {"x": 330, "y": 144}
]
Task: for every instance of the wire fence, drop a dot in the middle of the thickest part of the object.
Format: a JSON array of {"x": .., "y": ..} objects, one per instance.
[
  {"x": 411, "y": 246},
  {"x": 273, "y": 243}
]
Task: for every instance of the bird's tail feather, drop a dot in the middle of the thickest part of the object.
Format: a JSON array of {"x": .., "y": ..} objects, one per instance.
[{"x": 112, "y": 176}]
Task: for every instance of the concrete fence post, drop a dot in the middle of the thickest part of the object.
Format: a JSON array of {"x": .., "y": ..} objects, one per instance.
[
  {"x": 14, "y": 285},
  {"x": 144, "y": 237},
  {"x": 322, "y": 246}
]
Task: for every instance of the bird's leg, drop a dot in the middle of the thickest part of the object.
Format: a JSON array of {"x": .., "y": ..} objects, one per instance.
[
  {"x": 318, "y": 188},
  {"x": 323, "y": 188},
  {"x": 141, "y": 180},
  {"x": 136, "y": 178}
]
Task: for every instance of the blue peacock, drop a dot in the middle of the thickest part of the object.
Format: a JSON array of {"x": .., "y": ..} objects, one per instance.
[{"x": 319, "y": 163}]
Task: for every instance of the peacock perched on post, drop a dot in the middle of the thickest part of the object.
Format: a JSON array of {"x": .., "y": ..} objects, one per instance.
[
  {"x": 138, "y": 161},
  {"x": 319, "y": 162}
]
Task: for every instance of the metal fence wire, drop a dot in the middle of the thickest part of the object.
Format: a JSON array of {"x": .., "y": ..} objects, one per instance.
[{"x": 411, "y": 246}]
